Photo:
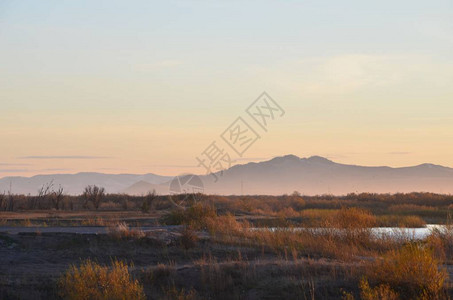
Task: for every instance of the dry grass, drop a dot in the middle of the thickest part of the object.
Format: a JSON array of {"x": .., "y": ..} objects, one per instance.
[
  {"x": 412, "y": 271},
  {"x": 380, "y": 292},
  {"x": 410, "y": 208},
  {"x": 337, "y": 232},
  {"x": 93, "y": 281},
  {"x": 196, "y": 216},
  {"x": 189, "y": 239},
  {"x": 400, "y": 221},
  {"x": 345, "y": 235},
  {"x": 173, "y": 293},
  {"x": 95, "y": 221},
  {"x": 121, "y": 231},
  {"x": 162, "y": 274},
  {"x": 441, "y": 242}
]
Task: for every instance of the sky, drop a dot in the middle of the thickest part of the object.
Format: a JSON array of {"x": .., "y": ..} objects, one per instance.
[{"x": 147, "y": 86}]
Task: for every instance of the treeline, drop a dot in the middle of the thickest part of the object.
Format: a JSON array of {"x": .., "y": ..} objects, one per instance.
[{"x": 95, "y": 198}]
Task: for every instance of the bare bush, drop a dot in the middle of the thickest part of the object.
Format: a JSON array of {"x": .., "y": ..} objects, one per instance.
[
  {"x": 148, "y": 201},
  {"x": 94, "y": 194},
  {"x": 3, "y": 202},
  {"x": 57, "y": 197}
]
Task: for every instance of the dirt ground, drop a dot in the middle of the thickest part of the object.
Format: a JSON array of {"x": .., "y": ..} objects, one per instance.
[
  {"x": 32, "y": 262},
  {"x": 36, "y": 248}
]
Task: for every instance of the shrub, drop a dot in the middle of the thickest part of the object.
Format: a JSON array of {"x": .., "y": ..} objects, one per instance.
[
  {"x": 400, "y": 221},
  {"x": 404, "y": 208},
  {"x": 188, "y": 239},
  {"x": 225, "y": 224},
  {"x": 174, "y": 217},
  {"x": 412, "y": 271},
  {"x": 93, "y": 281},
  {"x": 121, "y": 230},
  {"x": 94, "y": 194},
  {"x": 441, "y": 242},
  {"x": 173, "y": 293},
  {"x": 161, "y": 275},
  {"x": 196, "y": 216},
  {"x": 380, "y": 292},
  {"x": 145, "y": 207},
  {"x": 354, "y": 218}
]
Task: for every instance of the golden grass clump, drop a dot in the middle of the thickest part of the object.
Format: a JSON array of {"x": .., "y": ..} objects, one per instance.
[
  {"x": 95, "y": 282},
  {"x": 195, "y": 216},
  {"x": 173, "y": 293},
  {"x": 121, "y": 230},
  {"x": 97, "y": 221},
  {"x": 188, "y": 239},
  {"x": 412, "y": 271},
  {"x": 404, "y": 208},
  {"x": 400, "y": 221},
  {"x": 353, "y": 218},
  {"x": 226, "y": 225},
  {"x": 380, "y": 292},
  {"x": 441, "y": 242},
  {"x": 316, "y": 217}
]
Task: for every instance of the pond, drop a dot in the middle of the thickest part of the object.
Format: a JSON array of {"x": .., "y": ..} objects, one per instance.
[{"x": 379, "y": 232}]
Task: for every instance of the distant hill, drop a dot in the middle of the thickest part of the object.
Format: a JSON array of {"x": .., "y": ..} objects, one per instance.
[
  {"x": 143, "y": 188},
  {"x": 318, "y": 175},
  {"x": 75, "y": 183},
  {"x": 280, "y": 175}
]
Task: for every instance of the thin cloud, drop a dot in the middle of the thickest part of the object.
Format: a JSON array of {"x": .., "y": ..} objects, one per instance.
[
  {"x": 14, "y": 165},
  {"x": 173, "y": 166},
  {"x": 63, "y": 157},
  {"x": 33, "y": 170},
  {"x": 399, "y": 153},
  {"x": 14, "y": 170}
]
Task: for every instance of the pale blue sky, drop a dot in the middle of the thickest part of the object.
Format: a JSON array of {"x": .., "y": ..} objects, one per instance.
[{"x": 150, "y": 84}]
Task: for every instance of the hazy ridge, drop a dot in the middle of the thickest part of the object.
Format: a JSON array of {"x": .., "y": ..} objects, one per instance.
[{"x": 285, "y": 174}]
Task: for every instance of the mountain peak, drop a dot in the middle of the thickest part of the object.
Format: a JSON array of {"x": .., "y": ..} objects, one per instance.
[
  {"x": 319, "y": 159},
  {"x": 289, "y": 157}
]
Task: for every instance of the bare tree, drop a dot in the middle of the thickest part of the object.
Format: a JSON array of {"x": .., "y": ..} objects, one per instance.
[
  {"x": 46, "y": 189},
  {"x": 10, "y": 200},
  {"x": 94, "y": 194},
  {"x": 57, "y": 197},
  {"x": 44, "y": 193},
  {"x": 3, "y": 202},
  {"x": 148, "y": 201}
]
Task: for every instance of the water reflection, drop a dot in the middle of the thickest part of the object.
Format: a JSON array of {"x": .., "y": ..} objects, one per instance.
[{"x": 378, "y": 232}]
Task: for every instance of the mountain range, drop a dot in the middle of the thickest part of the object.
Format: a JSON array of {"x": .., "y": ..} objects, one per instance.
[{"x": 280, "y": 175}]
